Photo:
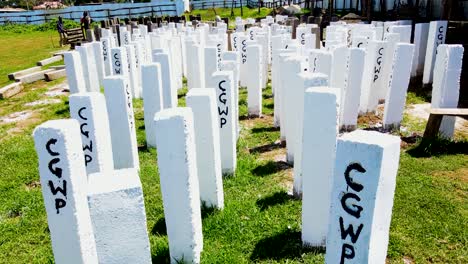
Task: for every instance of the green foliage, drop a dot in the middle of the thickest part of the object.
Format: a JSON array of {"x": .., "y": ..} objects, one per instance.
[{"x": 26, "y": 28}]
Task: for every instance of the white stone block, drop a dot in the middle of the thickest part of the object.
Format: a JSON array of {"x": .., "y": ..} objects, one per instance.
[
  {"x": 89, "y": 109},
  {"x": 211, "y": 64},
  {"x": 243, "y": 59},
  {"x": 398, "y": 85},
  {"x": 99, "y": 60},
  {"x": 321, "y": 108},
  {"x": 339, "y": 70},
  {"x": 320, "y": 61},
  {"x": 362, "y": 198},
  {"x": 403, "y": 31},
  {"x": 234, "y": 67},
  {"x": 119, "y": 62},
  {"x": 352, "y": 92},
  {"x": 436, "y": 36},
  {"x": 372, "y": 77},
  {"x": 106, "y": 59},
  {"x": 75, "y": 76},
  {"x": 63, "y": 180},
  {"x": 179, "y": 183},
  {"x": 152, "y": 98},
  {"x": 195, "y": 65},
  {"x": 121, "y": 122},
  {"x": 222, "y": 83},
  {"x": 202, "y": 101},
  {"x": 169, "y": 92},
  {"x": 132, "y": 71},
  {"x": 421, "y": 31},
  {"x": 89, "y": 68},
  {"x": 254, "y": 82}
]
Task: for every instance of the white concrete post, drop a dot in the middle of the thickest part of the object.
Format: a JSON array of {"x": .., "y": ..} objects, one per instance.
[
  {"x": 446, "y": 85},
  {"x": 89, "y": 109},
  {"x": 320, "y": 61},
  {"x": 75, "y": 76},
  {"x": 306, "y": 80},
  {"x": 106, "y": 60},
  {"x": 403, "y": 31},
  {"x": 362, "y": 198},
  {"x": 421, "y": 31},
  {"x": 89, "y": 68},
  {"x": 398, "y": 85},
  {"x": 352, "y": 91},
  {"x": 243, "y": 59},
  {"x": 152, "y": 98},
  {"x": 99, "y": 60},
  {"x": 321, "y": 109},
  {"x": 195, "y": 65},
  {"x": 339, "y": 69},
  {"x": 119, "y": 62},
  {"x": 234, "y": 67},
  {"x": 222, "y": 83},
  {"x": 436, "y": 36},
  {"x": 179, "y": 183},
  {"x": 211, "y": 64},
  {"x": 132, "y": 71},
  {"x": 202, "y": 101},
  {"x": 169, "y": 92},
  {"x": 121, "y": 122},
  {"x": 63, "y": 180},
  {"x": 254, "y": 82}
]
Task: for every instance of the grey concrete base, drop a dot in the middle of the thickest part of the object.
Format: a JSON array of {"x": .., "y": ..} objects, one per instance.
[
  {"x": 49, "y": 60},
  {"x": 15, "y": 75},
  {"x": 32, "y": 77},
  {"x": 58, "y": 67},
  {"x": 10, "y": 90},
  {"x": 54, "y": 75}
]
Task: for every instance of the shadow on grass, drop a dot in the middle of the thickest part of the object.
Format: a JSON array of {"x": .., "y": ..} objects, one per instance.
[
  {"x": 286, "y": 244},
  {"x": 277, "y": 198},
  {"x": 270, "y": 167},
  {"x": 207, "y": 211},
  {"x": 269, "y": 106},
  {"x": 161, "y": 256},
  {"x": 142, "y": 127},
  {"x": 265, "y": 129},
  {"x": 419, "y": 90},
  {"x": 160, "y": 227},
  {"x": 265, "y": 148},
  {"x": 267, "y": 96},
  {"x": 438, "y": 146}
]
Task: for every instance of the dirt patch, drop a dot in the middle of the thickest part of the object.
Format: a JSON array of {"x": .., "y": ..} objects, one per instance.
[
  {"x": 16, "y": 117},
  {"x": 458, "y": 175},
  {"x": 22, "y": 121},
  {"x": 44, "y": 102},
  {"x": 372, "y": 119},
  {"x": 59, "y": 89},
  {"x": 249, "y": 123},
  {"x": 32, "y": 185}
]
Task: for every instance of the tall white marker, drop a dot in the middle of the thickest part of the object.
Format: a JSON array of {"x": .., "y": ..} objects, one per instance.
[
  {"x": 254, "y": 82},
  {"x": 152, "y": 98},
  {"x": 436, "y": 36},
  {"x": 74, "y": 69}
]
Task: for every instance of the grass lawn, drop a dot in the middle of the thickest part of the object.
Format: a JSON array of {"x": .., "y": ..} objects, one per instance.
[
  {"x": 261, "y": 222},
  {"x": 19, "y": 51}
]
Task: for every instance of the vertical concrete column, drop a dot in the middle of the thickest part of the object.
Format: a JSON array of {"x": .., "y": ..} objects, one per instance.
[
  {"x": 121, "y": 122},
  {"x": 75, "y": 76},
  {"x": 227, "y": 65},
  {"x": 279, "y": 97},
  {"x": 63, "y": 180},
  {"x": 132, "y": 71},
  {"x": 362, "y": 198},
  {"x": 352, "y": 92},
  {"x": 119, "y": 62},
  {"x": 211, "y": 64},
  {"x": 222, "y": 81},
  {"x": 339, "y": 69},
  {"x": 446, "y": 85},
  {"x": 91, "y": 112},
  {"x": 168, "y": 91},
  {"x": 306, "y": 80},
  {"x": 320, "y": 61},
  {"x": 99, "y": 60},
  {"x": 195, "y": 66},
  {"x": 321, "y": 108},
  {"x": 179, "y": 183},
  {"x": 436, "y": 36},
  {"x": 421, "y": 31},
  {"x": 243, "y": 59},
  {"x": 398, "y": 85},
  {"x": 89, "y": 67},
  {"x": 106, "y": 56},
  {"x": 254, "y": 83},
  {"x": 152, "y": 98},
  {"x": 203, "y": 104}
]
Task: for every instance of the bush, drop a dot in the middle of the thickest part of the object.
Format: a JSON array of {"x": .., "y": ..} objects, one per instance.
[{"x": 24, "y": 28}]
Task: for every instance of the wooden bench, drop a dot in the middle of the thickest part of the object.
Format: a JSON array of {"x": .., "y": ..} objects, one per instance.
[
  {"x": 435, "y": 119},
  {"x": 74, "y": 36}
]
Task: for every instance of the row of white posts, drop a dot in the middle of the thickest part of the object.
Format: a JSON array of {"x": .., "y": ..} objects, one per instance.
[{"x": 346, "y": 182}]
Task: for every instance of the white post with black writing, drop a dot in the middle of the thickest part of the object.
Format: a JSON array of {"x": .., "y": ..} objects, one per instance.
[
  {"x": 89, "y": 67},
  {"x": 152, "y": 98},
  {"x": 352, "y": 91},
  {"x": 362, "y": 198},
  {"x": 228, "y": 65},
  {"x": 119, "y": 62},
  {"x": 106, "y": 56},
  {"x": 305, "y": 81},
  {"x": 398, "y": 85},
  {"x": 91, "y": 112},
  {"x": 320, "y": 61},
  {"x": 222, "y": 83},
  {"x": 179, "y": 183},
  {"x": 446, "y": 85},
  {"x": 63, "y": 180},
  {"x": 169, "y": 91},
  {"x": 132, "y": 71},
  {"x": 436, "y": 36},
  {"x": 202, "y": 101},
  {"x": 74, "y": 69},
  {"x": 254, "y": 82},
  {"x": 99, "y": 60},
  {"x": 242, "y": 48},
  {"x": 122, "y": 122},
  {"x": 321, "y": 110}
]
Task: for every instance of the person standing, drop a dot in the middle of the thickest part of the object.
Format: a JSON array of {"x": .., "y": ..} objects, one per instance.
[
  {"x": 85, "y": 21},
  {"x": 61, "y": 31}
]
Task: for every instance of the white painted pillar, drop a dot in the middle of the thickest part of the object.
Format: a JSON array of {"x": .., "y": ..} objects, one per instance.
[
  {"x": 179, "y": 183},
  {"x": 233, "y": 66},
  {"x": 398, "y": 85},
  {"x": 352, "y": 91},
  {"x": 211, "y": 64},
  {"x": 254, "y": 85},
  {"x": 119, "y": 62},
  {"x": 362, "y": 198},
  {"x": 169, "y": 90},
  {"x": 121, "y": 122},
  {"x": 89, "y": 68},
  {"x": 339, "y": 69},
  {"x": 195, "y": 65},
  {"x": 436, "y": 36},
  {"x": 403, "y": 31},
  {"x": 306, "y": 80},
  {"x": 222, "y": 81},
  {"x": 446, "y": 85},
  {"x": 99, "y": 60},
  {"x": 391, "y": 40},
  {"x": 243, "y": 59},
  {"x": 75, "y": 76},
  {"x": 320, "y": 61},
  {"x": 63, "y": 182},
  {"x": 152, "y": 98},
  {"x": 202, "y": 101},
  {"x": 421, "y": 31},
  {"x": 106, "y": 60},
  {"x": 321, "y": 108},
  {"x": 132, "y": 71}
]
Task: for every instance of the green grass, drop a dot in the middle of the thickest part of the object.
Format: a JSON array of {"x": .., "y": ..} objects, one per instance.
[{"x": 209, "y": 14}]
